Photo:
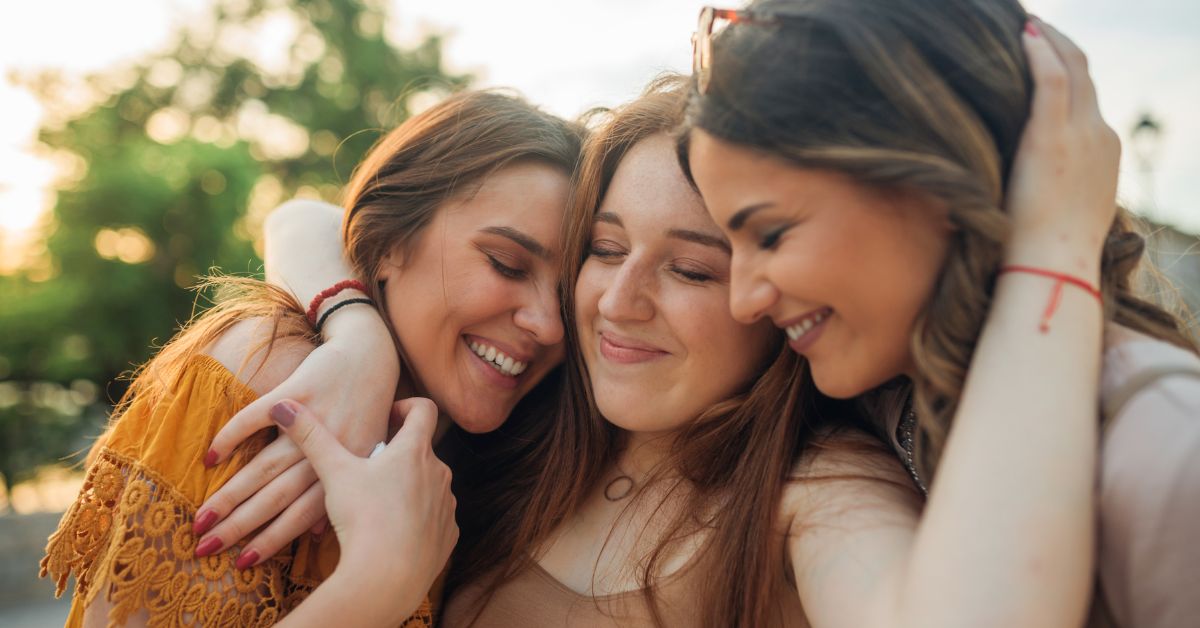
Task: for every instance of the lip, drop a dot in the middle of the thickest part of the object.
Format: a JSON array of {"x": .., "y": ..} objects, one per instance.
[
  {"x": 805, "y": 342},
  {"x": 624, "y": 350},
  {"x": 490, "y": 374}
]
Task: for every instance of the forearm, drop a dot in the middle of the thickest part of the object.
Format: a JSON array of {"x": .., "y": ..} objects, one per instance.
[
  {"x": 303, "y": 249},
  {"x": 1007, "y": 534},
  {"x": 304, "y": 255},
  {"x": 353, "y": 602}
]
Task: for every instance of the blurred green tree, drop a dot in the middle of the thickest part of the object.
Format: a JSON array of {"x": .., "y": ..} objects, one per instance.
[{"x": 169, "y": 166}]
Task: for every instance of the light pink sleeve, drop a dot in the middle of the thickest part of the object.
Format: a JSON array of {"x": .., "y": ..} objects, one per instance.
[{"x": 1149, "y": 555}]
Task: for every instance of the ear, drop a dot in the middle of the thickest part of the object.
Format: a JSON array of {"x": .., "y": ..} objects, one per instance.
[{"x": 391, "y": 265}]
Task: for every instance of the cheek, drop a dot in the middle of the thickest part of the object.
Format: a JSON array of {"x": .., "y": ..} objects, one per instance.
[{"x": 589, "y": 287}]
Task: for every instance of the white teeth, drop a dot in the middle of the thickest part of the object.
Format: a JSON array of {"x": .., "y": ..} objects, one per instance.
[
  {"x": 503, "y": 363},
  {"x": 794, "y": 332}
]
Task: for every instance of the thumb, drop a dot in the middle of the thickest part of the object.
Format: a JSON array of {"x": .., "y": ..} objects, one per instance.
[{"x": 321, "y": 448}]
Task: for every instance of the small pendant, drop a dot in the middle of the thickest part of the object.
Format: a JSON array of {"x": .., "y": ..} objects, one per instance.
[{"x": 619, "y": 488}]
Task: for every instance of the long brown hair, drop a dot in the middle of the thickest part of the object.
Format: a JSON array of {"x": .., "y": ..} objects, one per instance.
[
  {"x": 736, "y": 455},
  {"x": 921, "y": 95},
  {"x": 393, "y": 195}
]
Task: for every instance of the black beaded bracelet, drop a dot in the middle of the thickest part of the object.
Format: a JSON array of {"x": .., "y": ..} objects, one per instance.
[{"x": 339, "y": 305}]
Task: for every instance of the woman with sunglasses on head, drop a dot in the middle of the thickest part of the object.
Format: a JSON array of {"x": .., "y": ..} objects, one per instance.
[
  {"x": 452, "y": 228},
  {"x": 891, "y": 175},
  {"x": 655, "y": 498}
]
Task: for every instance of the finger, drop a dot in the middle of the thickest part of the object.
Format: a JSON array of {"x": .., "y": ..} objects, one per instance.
[
  {"x": 287, "y": 527},
  {"x": 264, "y": 506},
  {"x": 320, "y": 527},
  {"x": 247, "y": 421},
  {"x": 320, "y": 447},
  {"x": 1051, "y": 97},
  {"x": 1083, "y": 89},
  {"x": 258, "y": 474},
  {"x": 418, "y": 419}
]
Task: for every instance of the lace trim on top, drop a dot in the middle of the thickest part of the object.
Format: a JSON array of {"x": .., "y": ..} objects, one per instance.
[{"x": 131, "y": 532}]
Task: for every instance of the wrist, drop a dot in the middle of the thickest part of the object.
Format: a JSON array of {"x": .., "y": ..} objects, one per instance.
[
  {"x": 1071, "y": 254},
  {"x": 378, "y": 586}
]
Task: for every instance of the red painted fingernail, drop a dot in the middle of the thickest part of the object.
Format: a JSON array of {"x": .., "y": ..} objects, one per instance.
[
  {"x": 1032, "y": 29},
  {"x": 283, "y": 413},
  {"x": 246, "y": 559},
  {"x": 208, "y": 546},
  {"x": 210, "y": 458},
  {"x": 204, "y": 522}
]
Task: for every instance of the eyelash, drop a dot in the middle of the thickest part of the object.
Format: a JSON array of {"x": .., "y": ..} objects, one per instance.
[
  {"x": 770, "y": 239},
  {"x": 691, "y": 275},
  {"x": 505, "y": 270},
  {"x": 603, "y": 252}
]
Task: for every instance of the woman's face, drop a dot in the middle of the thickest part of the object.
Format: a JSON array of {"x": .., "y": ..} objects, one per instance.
[
  {"x": 475, "y": 303},
  {"x": 652, "y": 299},
  {"x": 843, "y": 268}
]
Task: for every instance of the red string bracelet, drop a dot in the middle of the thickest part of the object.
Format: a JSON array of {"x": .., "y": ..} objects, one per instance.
[
  {"x": 1056, "y": 295},
  {"x": 346, "y": 284}
]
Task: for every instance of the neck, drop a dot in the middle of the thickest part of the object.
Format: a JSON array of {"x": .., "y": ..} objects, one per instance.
[
  {"x": 406, "y": 388},
  {"x": 643, "y": 454}
]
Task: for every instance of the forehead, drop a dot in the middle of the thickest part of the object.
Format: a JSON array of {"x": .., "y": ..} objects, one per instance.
[
  {"x": 528, "y": 196},
  {"x": 649, "y": 187}
]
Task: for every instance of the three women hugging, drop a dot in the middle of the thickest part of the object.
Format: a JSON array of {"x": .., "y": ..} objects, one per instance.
[{"x": 847, "y": 329}]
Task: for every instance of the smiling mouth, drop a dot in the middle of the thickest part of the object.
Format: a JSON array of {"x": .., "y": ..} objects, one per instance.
[
  {"x": 497, "y": 359},
  {"x": 799, "y": 329}
]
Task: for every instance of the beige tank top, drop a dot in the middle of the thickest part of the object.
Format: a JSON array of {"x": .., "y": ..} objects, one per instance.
[{"x": 535, "y": 599}]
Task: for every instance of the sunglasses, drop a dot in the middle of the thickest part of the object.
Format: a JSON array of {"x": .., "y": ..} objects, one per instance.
[{"x": 712, "y": 20}]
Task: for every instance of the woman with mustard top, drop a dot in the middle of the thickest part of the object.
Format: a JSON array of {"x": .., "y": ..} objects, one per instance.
[{"x": 453, "y": 224}]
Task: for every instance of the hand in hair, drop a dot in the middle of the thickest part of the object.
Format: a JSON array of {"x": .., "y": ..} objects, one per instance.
[
  {"x": 1062, "y": 190},
  {"x": 393, "y": 515}
]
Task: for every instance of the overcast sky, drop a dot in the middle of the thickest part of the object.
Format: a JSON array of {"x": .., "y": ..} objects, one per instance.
[{"x": 570, "y": 55}]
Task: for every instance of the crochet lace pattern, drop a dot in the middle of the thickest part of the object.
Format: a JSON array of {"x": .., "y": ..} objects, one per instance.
[{"x": 129, "y": 534}]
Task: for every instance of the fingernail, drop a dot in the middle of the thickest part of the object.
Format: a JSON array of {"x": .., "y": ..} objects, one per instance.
[
  {"x": 1032, "y": 29},
  {"x": 246, "y": 559},
  {"x": 210, "y": 458},
  {"x": 283, "y": 413},
  {"x": 204, "y": 522},
  {"x": 208, "y": 546},
  {"x": 319, "y": 529}
]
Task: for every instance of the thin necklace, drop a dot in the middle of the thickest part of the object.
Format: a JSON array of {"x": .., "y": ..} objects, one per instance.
[
  {"x": 906, "y": 434},
  {"x": 619, "y": 487}
]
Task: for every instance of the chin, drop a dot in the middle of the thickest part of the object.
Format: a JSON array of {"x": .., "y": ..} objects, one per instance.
[
  {"x": 478, "y": 421},
  {"x": 837, "y": 385}
]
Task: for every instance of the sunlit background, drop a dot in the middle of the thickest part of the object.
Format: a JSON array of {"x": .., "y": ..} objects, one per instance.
[
  {"x": 573, "y": 54},
  {"x": 98, "y": 241}
]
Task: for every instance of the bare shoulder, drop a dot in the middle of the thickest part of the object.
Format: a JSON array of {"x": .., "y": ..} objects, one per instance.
[
  {"x": 247, "y": 350},
  {"x": 849, "y": 472}
]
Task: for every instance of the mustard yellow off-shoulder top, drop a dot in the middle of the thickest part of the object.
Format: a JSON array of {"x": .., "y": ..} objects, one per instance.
[{"x": 128, "y": 535}]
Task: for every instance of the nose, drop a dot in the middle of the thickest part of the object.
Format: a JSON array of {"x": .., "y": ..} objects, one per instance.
[
  {"x": 751, "y": 294},
  {"x": 541, "y": 316},
  {"x": 627, "y": 297}
]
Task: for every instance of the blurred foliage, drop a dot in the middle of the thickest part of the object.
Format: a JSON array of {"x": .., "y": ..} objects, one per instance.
[{"x": 168, "y": 168}]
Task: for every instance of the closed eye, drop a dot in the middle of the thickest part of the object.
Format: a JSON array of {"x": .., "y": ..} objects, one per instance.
[
  {"x": 505, "y": 270},
  {"x": 770, "y": 239},
  {"x": 605, "y": 250}
]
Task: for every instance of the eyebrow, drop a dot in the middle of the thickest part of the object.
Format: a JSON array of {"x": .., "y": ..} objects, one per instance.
[
  {"x": 610, "y": 218},
  {"x": 700, "y": 238},
  {"x": 526, "y": 242},
  {"x": 739, "y": 219}
]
